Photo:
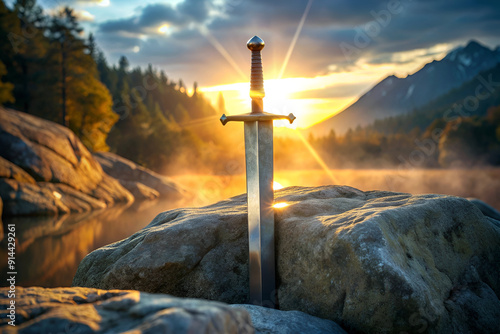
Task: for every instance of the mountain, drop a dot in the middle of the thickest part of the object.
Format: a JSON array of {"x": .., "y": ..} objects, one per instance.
[
  {"x": 395, "y": 96},
  {"x": 466, "y": 100}
]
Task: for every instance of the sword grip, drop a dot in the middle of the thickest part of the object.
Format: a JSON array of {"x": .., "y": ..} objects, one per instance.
[
  {"x": 257, "y": 76},
  {"x": 256, "y": 44}
]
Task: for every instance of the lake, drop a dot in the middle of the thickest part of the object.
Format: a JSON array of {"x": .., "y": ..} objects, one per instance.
[{"x": 49, "y": 249}]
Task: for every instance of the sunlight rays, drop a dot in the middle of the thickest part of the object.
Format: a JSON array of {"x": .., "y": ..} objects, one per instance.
[
  {"x": 294, "y": 39},
  {"x": 316, "y": 157},
  {"x": 218, "y": 46},
  {"x": 200, "y": 121},
  {"x": 311, "y": 149},
  {"x": 222, "y": 50}
]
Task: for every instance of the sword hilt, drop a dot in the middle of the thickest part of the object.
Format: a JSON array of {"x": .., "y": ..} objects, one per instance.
[{"x": 256, "y": 44}]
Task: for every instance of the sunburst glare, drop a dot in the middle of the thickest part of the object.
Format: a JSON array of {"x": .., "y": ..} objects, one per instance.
[
  {"x": 280, "y": 205},
  {"x": 277, "y": 186}
]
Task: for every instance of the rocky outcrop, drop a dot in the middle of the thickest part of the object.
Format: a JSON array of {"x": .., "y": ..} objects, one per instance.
[
  {"x": 266, "y": 321},
  {"x": 79, "y": 310},
  {"x": 141, "y": 182},
  {"x": 371, "y": 261},
  {"x": 45, "y": 169}
]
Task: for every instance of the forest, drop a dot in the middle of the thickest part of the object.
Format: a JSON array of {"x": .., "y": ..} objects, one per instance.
[{"x": 50, "y": 68}]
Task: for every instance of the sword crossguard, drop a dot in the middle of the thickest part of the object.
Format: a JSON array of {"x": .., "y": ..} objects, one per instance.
[{"x": 252, "y": 117}]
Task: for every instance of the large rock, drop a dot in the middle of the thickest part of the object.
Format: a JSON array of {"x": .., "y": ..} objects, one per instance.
[
  {"x": 141, "y": 182},
  {"x": 79, "y": 310},
  {"x": 267, "y": 320},
  {"x": 45, "y": 169},
  {"x": 371, "y": 261}
]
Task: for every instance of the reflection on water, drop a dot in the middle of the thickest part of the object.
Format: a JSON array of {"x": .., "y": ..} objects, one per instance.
[{"x": 49, "y": 249}]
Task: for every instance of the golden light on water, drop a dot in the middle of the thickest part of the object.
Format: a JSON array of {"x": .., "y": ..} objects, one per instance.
[{"x": 280, "y": 205}]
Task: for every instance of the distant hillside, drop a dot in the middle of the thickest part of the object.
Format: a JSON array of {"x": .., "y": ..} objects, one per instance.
[
  {"x": 395, "y": 96},
  {"x": 463, "y": 101}
]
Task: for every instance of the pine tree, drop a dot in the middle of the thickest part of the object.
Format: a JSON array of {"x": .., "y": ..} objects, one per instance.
[
  {"x": 64, "y": 30},
  {"x": 92, "y": 47},
  {"x": 195, "y": 90},
  {"x": 22, "y": 50},
  {"x": 85, "y": 103}
]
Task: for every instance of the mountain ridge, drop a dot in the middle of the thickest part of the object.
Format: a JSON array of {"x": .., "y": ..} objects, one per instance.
[{"x": 394, "y": 96}]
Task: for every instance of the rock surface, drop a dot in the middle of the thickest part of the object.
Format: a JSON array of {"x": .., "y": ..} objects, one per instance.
[
  {"x": 141, "y": 182},
  {"x": 371, "y": 261},
  {"x": 45, "y": 169},
  {"x": 80, "y": 310},
  {"x": 485, "y": 208},
  {"x": 266, "y": 320}
]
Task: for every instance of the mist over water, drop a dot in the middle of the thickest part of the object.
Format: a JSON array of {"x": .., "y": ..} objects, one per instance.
[{"x": 483, "y": 184}]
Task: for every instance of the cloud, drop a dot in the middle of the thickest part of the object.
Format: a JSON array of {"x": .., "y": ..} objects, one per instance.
[
  {"x": 196, "y": 10},
  {"x": 152, "y": 16},
  {"x": 84, "y": 16},
  {"x": 103, "y": 3},
  {"x": 377, "y": 31}
]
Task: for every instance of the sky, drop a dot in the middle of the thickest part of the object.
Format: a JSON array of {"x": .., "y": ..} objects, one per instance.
[{"x": 320, "y": 55}]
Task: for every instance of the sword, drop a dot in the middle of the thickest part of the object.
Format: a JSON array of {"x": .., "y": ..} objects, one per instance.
[{"x": 258, "y": 127}]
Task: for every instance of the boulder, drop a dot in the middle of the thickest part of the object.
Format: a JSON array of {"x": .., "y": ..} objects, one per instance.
[
  {"x": 485, "y": 208},
  {"x": 45, "y": 169},
  {"x": 140, "y": 181},
  {"x": 267, "y": 320},
  {"x": 371, "y": 261},
  {"x": 79, "y": 310}
]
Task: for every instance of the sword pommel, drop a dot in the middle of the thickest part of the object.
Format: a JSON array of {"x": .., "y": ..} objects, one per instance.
[{"x": 256, "y": 44}]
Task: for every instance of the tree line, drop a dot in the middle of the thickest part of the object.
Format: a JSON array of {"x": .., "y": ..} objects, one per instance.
[{"x": 445, "y": 142}]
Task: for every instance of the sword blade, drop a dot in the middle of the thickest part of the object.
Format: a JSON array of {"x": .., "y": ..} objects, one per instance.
[{"x": 260, "y": 197}]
